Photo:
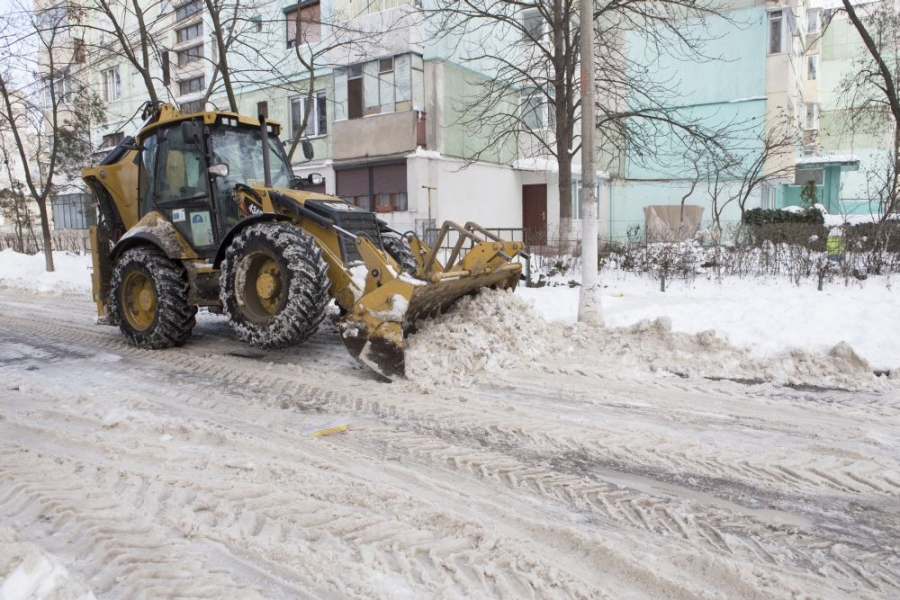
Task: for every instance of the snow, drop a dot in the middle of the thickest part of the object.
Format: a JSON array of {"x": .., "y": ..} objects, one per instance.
[
  {"x": 732, "y": 438},
  {"x": 72, "y": 274},
  {"x": 765, "y": 316}
]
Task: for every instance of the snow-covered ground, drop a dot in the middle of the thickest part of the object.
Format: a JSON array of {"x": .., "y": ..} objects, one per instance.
[
  {"x": 766, "y": 316},
  {"x": 722, "y": 439}
]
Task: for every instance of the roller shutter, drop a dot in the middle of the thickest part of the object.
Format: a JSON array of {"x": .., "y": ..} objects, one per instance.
[
  {"x": 389, "y": 179},
  {"x": 353, "y": 182}
]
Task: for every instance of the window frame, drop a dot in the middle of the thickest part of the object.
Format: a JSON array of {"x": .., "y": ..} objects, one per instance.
[
  {"x": 318, "y": 116},
  {"x": 112, "y": 83},
  {"x": 809, "y": 20},
  {"x": 189, "y": 82},
  {"x": 308, "y": 28},
  {"x": 776, "y": 16},
  {"x": 190, "y": 55},
  {"x": 576, "y": 198},
  {"x": 812, "y": 60},
  {"x": 537, "y": 29},
  {"x": 540, "y": 108},
  {"x": 188, "y": 10},
  {"x": 196, "y": 27},
  {"x": 811, "y": 117},
  {"x": 191, "y": 106},
  {"x": 61, "y": 82}
]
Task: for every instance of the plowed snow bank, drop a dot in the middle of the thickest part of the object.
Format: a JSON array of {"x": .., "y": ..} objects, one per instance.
[{"x": 496, "y": 331}]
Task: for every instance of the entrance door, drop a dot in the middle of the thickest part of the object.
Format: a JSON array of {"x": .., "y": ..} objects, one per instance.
[{"x": 534, "y": 213}]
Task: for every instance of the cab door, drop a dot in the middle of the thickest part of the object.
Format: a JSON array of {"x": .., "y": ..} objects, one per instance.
[{"x": 175, "y": 182}]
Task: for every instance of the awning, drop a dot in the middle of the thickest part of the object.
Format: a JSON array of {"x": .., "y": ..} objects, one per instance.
[{"x": 847, "y": 162}]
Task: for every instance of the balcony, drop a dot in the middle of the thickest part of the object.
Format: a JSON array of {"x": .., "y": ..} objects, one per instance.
[{"x": 379, "y": 135}]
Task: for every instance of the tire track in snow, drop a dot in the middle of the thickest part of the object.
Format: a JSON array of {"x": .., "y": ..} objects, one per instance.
[
  {"x": 437, "y": 425},
  {"x": 767, "y": 536},
  {"x": 825, "y": 472}
]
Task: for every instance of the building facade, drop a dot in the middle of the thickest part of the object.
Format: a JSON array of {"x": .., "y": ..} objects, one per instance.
[{"x": 385, "y": 109}]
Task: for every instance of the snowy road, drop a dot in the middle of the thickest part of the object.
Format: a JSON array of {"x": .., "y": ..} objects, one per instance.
[{"x": 645, "y": 464}]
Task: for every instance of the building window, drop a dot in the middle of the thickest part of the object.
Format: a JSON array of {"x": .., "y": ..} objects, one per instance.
[
  {"x": 58, "y": 87},
  {"x": 307, "y": 16},
  {"x": 812, "y": 116},
  {"x": 189, "y": 55},
  {"x": 813, "y": 21},
  {"x": 112, "y": 84},
  {"x": 317, "y": 123},
  {"x": 194, "y": 106},
  {"x": 812, "y": 67},
  {"x": 355, "y": 92},
  {"x": 776, "y": 32},
  {"x": 186, "y": 34},
  {"x": 534, "y": 109},
  {"x": 73, "y": 211},
  {"x": 188, "y": 10},
  {"x": 386, "y": 65},
  {"x": 80, "y": 53},
  {"x": 112, "y": 140},
  {"x": 576, "y": 198},
  {"x": 189, "y": 86},
  {"x": 533, "y": 23},
  {"x": 55, "y": 19}
]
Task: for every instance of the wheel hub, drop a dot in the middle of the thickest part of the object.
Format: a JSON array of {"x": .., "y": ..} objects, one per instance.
[
  {"x": 139, "y": 303},
  {"x": 269, "y": 286}
]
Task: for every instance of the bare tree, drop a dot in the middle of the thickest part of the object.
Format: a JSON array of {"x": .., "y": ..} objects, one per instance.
[
  {"x": 871, "y": 100},
  {"x": 133, "y": 25},
  {"x": 532, "y": 50},
  {"x": 770, "y": 157},
  {"x": 44, "y": 103},
  {"x": 869, "y": 96},
  {"x": 318, "y": 41}
]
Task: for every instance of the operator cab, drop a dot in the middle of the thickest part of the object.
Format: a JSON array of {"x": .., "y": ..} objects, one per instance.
[{"x": 188, "y": 172}]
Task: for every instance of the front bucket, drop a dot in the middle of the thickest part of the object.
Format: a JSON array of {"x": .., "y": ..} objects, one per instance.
[{"x": 374, "y": 330}]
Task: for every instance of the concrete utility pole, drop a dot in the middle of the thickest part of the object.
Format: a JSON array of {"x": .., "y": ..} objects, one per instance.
[{"x": 590, "y": 309}]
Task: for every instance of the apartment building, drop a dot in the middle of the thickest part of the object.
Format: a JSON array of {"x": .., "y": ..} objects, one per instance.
[{"x": 385, "y": 110}]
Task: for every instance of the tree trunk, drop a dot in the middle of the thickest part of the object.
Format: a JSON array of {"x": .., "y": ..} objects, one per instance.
[
  {"x": 45, "y": 230},
  {"x": 565, "y": 200}
]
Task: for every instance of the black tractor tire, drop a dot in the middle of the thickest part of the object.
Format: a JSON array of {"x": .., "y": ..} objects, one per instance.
[
  {"x": 149, "y": 299},
  {"x": 398, "y": 248},
  {"x": 274, "y": 286}
]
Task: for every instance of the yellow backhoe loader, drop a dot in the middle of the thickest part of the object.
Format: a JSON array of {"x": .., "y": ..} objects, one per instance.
[{"x": 203, "y": 210}]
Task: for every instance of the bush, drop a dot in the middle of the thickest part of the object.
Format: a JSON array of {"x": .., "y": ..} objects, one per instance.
[
  {"x": 759, "y": 217},
  {"x": 805, "y": 228}
]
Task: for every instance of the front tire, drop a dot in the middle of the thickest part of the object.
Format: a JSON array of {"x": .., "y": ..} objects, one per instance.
[
  {"x": 149, "y": 294},
  {"x": 274, "y": 285}
]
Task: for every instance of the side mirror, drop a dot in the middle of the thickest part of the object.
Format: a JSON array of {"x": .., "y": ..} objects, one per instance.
[
  {"x": 307, "y": 148},
  {"x": 192, "y": 132},
  {"x": 219, "y": 170}
]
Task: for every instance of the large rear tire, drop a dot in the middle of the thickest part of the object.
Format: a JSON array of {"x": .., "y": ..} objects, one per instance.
[
  {"x": 149, "y": 299},
  {"x": 274, "y": 285}
]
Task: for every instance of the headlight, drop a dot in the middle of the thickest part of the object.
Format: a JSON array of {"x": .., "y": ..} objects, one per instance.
[{"x": 315, "y": 179}]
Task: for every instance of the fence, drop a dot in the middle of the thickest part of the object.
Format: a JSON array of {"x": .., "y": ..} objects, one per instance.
[
  {"x": 798, "y": 250},
  {"x": 66, "y": 240}
]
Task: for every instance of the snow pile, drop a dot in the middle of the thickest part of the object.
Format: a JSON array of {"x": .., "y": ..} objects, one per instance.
[
  {"x": 27, "y": 573},
  {"x": 499, "y": 331},
  {"x": 72, "y": 275}
]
